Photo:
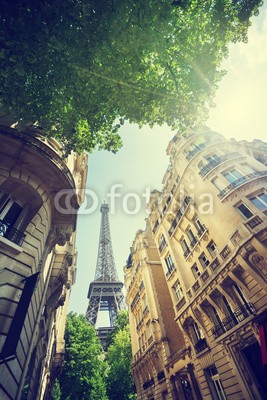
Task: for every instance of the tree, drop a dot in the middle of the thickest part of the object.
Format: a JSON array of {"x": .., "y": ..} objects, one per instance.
[
  {"x": 120, "y": 383},
  {"x": 56, "y": 391},
  {"x": 121, "y": 322},
  {"x": 84, "y": 368},
  {"x": 80, "y": 68}
]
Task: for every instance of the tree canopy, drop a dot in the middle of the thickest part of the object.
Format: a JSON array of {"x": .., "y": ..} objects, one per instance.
[
  {"x": 80, "y": 68},
  {"x": 83, "y": 375},
  {"x": 119, "y": 381}
]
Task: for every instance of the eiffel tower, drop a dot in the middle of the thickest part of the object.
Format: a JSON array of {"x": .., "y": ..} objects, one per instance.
[{"x": 105, "y": 292}]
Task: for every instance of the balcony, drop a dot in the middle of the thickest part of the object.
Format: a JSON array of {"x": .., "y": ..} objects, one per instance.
[
  {"x": 187, "y": 200},
  {"x": 254, "y": 222},
  {"x": 10, "y": 233},
  {"x": 200, "y": 345},
  {"x": 148, "y": 384},
  {"x": 161, "y": 375},
  {"x": 170, "y": 272},
  {"x": 220, "y": 159},
  {"x": 201, "y": 231},
  {"x": 237, "y": 316},
  {"x": 195, "y": 150},
  {"x": 162, "y": 246},
  {"x": 155, "y": 227},
  {"x": 140, "y": 324},
  {"x": 145, "y": 311},
  {"x": 186, "y": 253},
  {"x": 240, "y": 181},
  {"x": 215, "y": 264},
  {"x": 193, "y": 242}
]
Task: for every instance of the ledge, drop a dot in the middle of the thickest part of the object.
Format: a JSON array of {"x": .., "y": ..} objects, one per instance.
[{"x": 10, "y": 246}]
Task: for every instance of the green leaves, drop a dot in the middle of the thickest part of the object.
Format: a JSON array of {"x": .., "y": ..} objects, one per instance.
[
  {"x": 77, "y": 69},
  {"x": 84, "y": 369},
  {"x": 120, "y": 383}
]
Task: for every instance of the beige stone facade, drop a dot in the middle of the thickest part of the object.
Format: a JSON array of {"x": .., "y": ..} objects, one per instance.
[
  {"x": 37, "y": 258},
  {"x": 208, "y": 235}
]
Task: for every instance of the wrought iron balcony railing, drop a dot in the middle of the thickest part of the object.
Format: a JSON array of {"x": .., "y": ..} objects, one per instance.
[
  {"x": 237, "y": 316},
  {"x": 162, "y": 246},
  {"x": 193, "y": 242},
  {"x": 187, "y": 200},
  {"x": 195, "y": 150},
  {"x": 201, "y": 231},
  {"x": 200, "y": 345},
  {"x": 253, "y": 222},
  {"x": 241, "y": 181},
  {"x": 186, "y": 253},
  {"x": 11, "y": 233},
  {"x": 220, "y": 159}
]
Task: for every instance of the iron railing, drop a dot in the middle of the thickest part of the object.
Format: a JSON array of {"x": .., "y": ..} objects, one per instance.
[
  {"x": 237, "y": 316},
  {"x": 193, "y": 242},
  {"x": 220, "y": 159},
  {"x": 11, "y": 233},
  {"x": 253, "y": 222},
  {"x": 195, "y": 150},
  {"x": 240, "y": 181},
  {"x": 201, "y": 231},
  {"x": 179, "y": 214},
  {"x": 162, "y": 246},
  {"x": 200, "y": 345}
]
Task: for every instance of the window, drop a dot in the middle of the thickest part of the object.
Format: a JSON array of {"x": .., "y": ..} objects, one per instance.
[
  {"x": 227, "y": 309},
  {"x": 244, "y": 211},
  {"x": 232, "y": 175},
  {"x": 214, "y": 316},
  {"x": 199, "y": 226},
  {"x": 247, "y": 169},
  {"x": 239, "y": 294},
  {"x": 191, "y": 237},
  {"x": 169, "y": 264},
  {"x": 214, "y": 383},
  {"x": 17, "y": 323},
  {"x": 144, "y": 303},
  {"x": 212, "y": 248},
  {"x": 195, "y": 332},
  {"x": 259, "y": 201},
  {"x": 213, "y": 158},
  {"x": 178, "y": 291},
  {"x": 149, "y": 329},
  {"x": 155, "y": 227},
  {"x": 217, "y": 182},
  {"x": 12, "y": 217},
  {"x": 203, "y": 260},
  {"x": 185, "y": 248},
  {"x": 195, "y": 271},
  {"x": 162, "y": 243}
]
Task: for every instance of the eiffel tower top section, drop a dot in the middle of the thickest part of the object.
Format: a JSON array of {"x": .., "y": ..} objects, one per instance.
[{"x": 105, "y": 266}]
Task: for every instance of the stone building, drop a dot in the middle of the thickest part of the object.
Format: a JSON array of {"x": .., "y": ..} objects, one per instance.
[
  {"x": 37, "y": 258},
  {"x": 209, "y": 228}
]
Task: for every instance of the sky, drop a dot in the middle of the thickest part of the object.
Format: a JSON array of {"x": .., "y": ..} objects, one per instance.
[{"x": 240, "y": 112}]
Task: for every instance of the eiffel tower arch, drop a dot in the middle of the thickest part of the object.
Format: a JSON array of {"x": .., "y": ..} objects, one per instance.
[{"x": 105, "y": 291}]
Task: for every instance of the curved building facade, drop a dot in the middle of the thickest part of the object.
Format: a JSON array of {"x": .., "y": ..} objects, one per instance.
[
  {"x": 209, "y": 226},
  {"x": 37, "y": 258}
]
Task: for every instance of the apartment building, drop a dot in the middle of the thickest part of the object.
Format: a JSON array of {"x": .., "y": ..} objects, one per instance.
[
  {"x": 40, "y": 193},
  {"x": 208, "y": 225}
]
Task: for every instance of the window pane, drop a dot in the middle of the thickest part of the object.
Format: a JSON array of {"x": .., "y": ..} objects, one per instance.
[
  {"x": 258, "y": 203},
  {"x": 244, "y": 211},
  {"x": 232, "y": 175},
  {"x": 263, "y": 198}
]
